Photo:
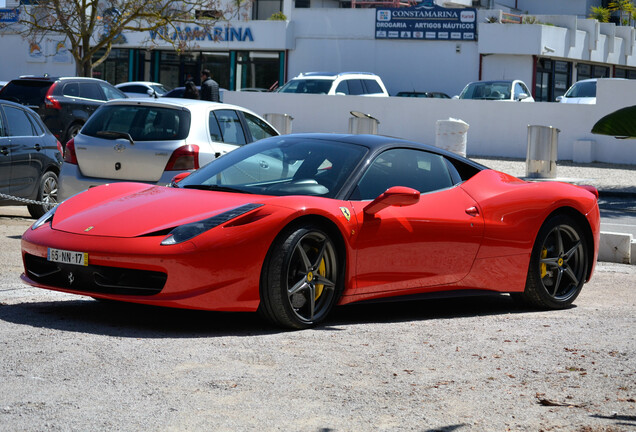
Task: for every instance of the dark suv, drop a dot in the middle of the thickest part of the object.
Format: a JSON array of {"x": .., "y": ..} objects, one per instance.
[{"x": 64, "y": 104}]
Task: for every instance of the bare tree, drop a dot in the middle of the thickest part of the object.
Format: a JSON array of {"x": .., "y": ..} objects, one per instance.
[{"x": 91, "y": 27}]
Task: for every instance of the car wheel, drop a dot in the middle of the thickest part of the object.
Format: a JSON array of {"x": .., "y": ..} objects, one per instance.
[
  {"x": 72, "y": 132},
  {"x": 47, "y": 194},
  {"x": 299, "y": 283},
  {"x": 558, "y": 264}
]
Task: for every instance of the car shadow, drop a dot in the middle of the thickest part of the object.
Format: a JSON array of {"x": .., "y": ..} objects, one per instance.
[{"x": 111, "y": 318}]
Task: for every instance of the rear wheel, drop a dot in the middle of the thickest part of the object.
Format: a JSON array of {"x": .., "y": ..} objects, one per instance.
[
  {"x": 558, "y": 264},
  {"x": 300, "y": 278},
  {"x": 47, "y": 195},
  {"x": 72, "y": 132}
]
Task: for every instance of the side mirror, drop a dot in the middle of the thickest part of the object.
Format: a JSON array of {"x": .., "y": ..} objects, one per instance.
[
  {"x": 522, "y": 96},
  {"x": 559, "y": 98},
  {"x": 398, "y": 196},
  {"x": 176, "y": 179}
]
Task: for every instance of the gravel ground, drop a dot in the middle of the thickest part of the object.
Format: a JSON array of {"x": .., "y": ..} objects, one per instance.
[{"x": 70, "y": 363}]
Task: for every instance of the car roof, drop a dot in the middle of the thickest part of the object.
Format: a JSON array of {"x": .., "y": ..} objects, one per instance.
[
  {"x": 54, "y": 78},
  {"x": 379, "y": 142},
  {"x": 17, "y": 105},
  {"x": 138, "y": 82},
  {"x": 331, "y": 74},
  {"x": 174, "y": 103}
]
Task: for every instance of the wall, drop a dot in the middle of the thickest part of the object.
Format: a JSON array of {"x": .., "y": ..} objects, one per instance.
[
  {"x": 496, "y": 128},
  {"x": 17, "y": 49}
]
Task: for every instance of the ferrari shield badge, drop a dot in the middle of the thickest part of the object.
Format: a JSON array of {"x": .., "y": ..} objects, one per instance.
[{"x": 346, "y": 213}]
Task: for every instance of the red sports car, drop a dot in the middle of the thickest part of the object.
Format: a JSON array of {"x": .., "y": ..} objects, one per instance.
[{"x": 293, "y": 225}]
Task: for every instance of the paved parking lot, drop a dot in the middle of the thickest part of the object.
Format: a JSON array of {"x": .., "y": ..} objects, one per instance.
[{"x": 479, "y": 364}]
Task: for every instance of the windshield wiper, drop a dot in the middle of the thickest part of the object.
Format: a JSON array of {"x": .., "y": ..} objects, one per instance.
[
  {"x": 216, "y": 188},
  {"x": 115, "y": 135}
]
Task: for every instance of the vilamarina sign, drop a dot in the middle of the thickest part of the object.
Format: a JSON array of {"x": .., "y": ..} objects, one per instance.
[
  {"x": 426, "y": 21},
  {"x": 217, "y": 34}
]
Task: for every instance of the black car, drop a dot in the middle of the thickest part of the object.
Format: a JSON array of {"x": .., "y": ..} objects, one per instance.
[
  {"x": 30, "y": 160},
  {"x": 177, "y": 92},
  {"x": 64, "y": 104},
  {"x": 437, "y": 95}
]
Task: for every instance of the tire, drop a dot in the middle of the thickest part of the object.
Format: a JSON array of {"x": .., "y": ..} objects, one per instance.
[
  {"x": 558, "y": 264},
  {"x": 72, "y": 131},
  {"x": 47, "y": 193},
  {"x": 300, "y": 279}
]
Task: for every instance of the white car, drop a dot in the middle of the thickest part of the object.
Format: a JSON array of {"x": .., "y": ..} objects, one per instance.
[
  {"x": 153, "y": 140},
  {"x": 345, "y": 83},
  {"x": 501, "y": 90},
  {"x": 135, "y": 89}
]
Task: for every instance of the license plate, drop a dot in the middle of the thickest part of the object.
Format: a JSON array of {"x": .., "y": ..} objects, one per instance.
[{"x": 67, "y": 257}]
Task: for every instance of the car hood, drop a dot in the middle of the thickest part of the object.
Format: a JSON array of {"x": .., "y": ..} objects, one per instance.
[{"x": 135, "y": 209}]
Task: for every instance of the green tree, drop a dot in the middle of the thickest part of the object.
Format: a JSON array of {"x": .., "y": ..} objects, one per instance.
[
  {"x": 600, "y": 14},
  {"x": 624, "y": 9},
  {"x": 91, "y": 27}
]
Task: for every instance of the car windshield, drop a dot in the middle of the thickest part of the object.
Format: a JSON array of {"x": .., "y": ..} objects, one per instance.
[
  {"x": 486, "y": 90},
  {"x": 142, "y": 123},
  {"x": 159, "y": 89},
  {"x": 582, "y": 89},
  {"x": 281, "y": 166},
  {"x": 316, "y": 86}
]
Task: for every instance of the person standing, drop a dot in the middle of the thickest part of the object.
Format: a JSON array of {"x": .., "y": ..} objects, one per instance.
[
  {"x": 209, "y": 87},
  {"x": 191, "y": 91}
]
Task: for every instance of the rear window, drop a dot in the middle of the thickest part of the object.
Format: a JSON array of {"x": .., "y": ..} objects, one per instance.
[
  {"x": 142, "y": 123},
  {"x": 26, "y": 92}
]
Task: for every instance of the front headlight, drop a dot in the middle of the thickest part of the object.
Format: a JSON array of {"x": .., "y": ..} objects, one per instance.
[
  {"x": 186, "y": 232},
  {"x": 47, "y": 217}
]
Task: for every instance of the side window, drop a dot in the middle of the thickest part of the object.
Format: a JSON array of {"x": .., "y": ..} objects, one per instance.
[
  {"x": 372, "y": 86},
  {"x": 90, "y": 91},
  {"x": 343, "y": 88},
  {"x": 19, "y": 123},
  {"x": 355, "y": 87},
  {"x": 215, "y": 130},
  {"x": 37, "y": 126},
  {"x": 258, "y": 128},
  {"x": 420, "y": 170},
  {"x": 71, "y": 90},
  {"x": 112, "y": 92},
  {"x": 133, "y": 89},
  {"x": 231, "y": 128}
]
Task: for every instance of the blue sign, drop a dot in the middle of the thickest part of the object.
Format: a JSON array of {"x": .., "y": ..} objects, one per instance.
[
  {"x": 9, "y": 15},
  {"x": 426, "y": 21}
]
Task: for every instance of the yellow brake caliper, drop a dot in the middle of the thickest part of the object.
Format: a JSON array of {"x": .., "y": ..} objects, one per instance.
[
  {"x": 543, "y": 267},
  {"x": 322, "y": 271}
]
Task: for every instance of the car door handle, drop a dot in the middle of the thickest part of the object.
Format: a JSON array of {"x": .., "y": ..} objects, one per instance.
[
  {"x": 4, "y": 151},
  {"x": 37, "y": 147},
  {"x": 472, "y": 211}
]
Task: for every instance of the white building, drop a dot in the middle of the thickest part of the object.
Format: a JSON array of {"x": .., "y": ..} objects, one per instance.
[{"x": 548, "y": 51}]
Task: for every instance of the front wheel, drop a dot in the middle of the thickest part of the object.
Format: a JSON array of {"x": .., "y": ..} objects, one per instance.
[
  {"x": 47, "y": 195},
  {"x": 299, "y": 283},
  {"x": 558, "y": 264}
]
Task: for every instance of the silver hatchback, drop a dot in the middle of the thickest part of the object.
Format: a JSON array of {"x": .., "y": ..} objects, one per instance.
[{"x": 152, "y": 140}]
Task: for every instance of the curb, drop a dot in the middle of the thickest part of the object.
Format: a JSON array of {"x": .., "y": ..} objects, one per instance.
[{"x": 617, "y": 248}]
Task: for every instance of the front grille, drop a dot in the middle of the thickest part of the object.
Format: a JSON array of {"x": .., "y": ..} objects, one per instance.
[{"x": 94, "y": 279}]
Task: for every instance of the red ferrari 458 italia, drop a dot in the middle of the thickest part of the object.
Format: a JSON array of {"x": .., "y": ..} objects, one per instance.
[{"x": 294, "y": 225}]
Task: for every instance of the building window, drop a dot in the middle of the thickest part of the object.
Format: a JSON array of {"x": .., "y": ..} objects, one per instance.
[
  {"x": 302, "y": 4},
  {"x": 257, "y": 69},
  {"x": 115, "y": 68},
  {"x": 552, "y": 80},
  {"x": 586, "y": 71},
  {"x": 625, "y": 73},
  {"x": 263, "y": 9}
]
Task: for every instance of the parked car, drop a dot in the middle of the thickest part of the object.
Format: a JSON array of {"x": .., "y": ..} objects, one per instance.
[
  {"x": 152, "y": 140},
  {"x": 437, "y": 95},
  {"x": 63, "y": 103},
  {"x": 177, "y": 92},
  {"x": 581, "y": 92},
  {"x": 143, "y": 89},
  {"x": 502, "y": 90},
  {"x": 345, "y": 83},
  {"x": 323, "y": 220},
  {"x": 30, "y": 159}
]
